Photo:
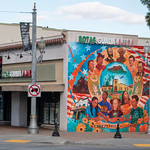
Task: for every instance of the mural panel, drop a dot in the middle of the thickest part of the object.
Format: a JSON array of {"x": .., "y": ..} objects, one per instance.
[{"x": 107, "y": 83}]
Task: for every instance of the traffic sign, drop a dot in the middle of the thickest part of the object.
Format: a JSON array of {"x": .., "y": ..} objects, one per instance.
[{"x": 34, "y": 90}]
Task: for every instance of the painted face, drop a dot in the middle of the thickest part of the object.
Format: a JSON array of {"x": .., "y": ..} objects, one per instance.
[
  {"x": 121, "y": 54},
  {"x": 110, "y": 52},
  {"x": 134, "y": 102},
  {"x": 126, "y": 97},
  {"x": 140, "y": 67},
  {"x": 115, "y": 104},
  {"x": 94, "y": 103},
  {"x": 104, "y": 96},
  {"x": 131, "y": 61},
  {"x": 100, "y": 61},
  {"x": 91, "y": 66}
]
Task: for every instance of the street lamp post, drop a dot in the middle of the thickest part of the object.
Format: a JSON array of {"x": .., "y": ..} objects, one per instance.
[
  {"x": 33, "y": 128},
  {"x": 146, "y": 51}
]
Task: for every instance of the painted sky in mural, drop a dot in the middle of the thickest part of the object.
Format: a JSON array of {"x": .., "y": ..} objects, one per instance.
[{"x": 107, "y": 83}]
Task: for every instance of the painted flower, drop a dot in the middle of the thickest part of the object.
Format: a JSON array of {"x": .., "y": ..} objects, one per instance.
[
  {"x": 145, "y": 113},
  {"x": 92, "y": 124},
  {"x": 85, "y": 120},
  {"x": 81, "y": 128},
  {"x": 143, "y": 128},
  {"x": 126, "y": 124},
  {"x": 113, "y": 119},
  {"x": 97, "y": 130},
  {"x": 146, "y": 119},
  {"x": 121, "y": 125},
  {"x": 140, "y": 120},
  {"x": 132, "y": 129}
]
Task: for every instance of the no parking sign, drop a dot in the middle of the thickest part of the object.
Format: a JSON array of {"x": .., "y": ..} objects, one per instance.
[{"x": 34, "y": 90}]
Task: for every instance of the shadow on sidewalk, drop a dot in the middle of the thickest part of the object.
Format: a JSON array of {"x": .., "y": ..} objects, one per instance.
[{"x": 75, "y": 136}]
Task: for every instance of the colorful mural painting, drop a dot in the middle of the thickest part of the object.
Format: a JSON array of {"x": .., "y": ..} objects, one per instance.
[{"x": 107, "y": 83}]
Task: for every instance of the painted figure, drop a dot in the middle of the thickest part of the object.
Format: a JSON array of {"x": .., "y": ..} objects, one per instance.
[
  {"x": 131, "y": 66},
  {"x": 116, "y": 110},
  {"x": 136, "y": 112},
  {"x": 104, "y": 105},
  {"x": 121, "y": 57},
  {"x": 125, "y": 105},
  {"x": 109, "y": 59},
  {"x": 93, "y": 110},
  {"x": 140, "y": 67},
  {"x": 93, "y": 83},
  {"x": 99, "y": 61}
]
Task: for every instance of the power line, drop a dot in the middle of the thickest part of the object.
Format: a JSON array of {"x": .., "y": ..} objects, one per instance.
[{"x": 15, "y": 12}]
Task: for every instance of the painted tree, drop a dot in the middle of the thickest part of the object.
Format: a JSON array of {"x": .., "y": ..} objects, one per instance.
[{"x": 147, "y": 17}]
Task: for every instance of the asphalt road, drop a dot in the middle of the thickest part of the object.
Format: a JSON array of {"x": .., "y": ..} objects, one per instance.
[{"x": 44, "y": 146}]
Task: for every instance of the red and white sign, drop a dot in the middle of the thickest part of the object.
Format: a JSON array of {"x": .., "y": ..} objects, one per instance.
[{"x": 34, "y": 90}]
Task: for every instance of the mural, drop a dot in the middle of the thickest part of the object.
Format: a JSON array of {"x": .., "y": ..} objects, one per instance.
[{"x": 107, "y": 83}]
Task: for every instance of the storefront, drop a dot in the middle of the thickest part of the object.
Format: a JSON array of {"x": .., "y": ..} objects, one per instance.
[{"x": 15, "y": 105}]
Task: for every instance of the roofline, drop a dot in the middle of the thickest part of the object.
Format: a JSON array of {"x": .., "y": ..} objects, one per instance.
[
  {"x": 59, "y": 39},
  {"x": 45, "y": 28}
]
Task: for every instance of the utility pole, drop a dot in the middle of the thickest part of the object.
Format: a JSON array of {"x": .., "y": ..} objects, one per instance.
[{"x": 33, "y": 128}]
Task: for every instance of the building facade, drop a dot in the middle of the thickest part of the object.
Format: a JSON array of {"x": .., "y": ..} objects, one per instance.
[{"x": 65, "y": 77}]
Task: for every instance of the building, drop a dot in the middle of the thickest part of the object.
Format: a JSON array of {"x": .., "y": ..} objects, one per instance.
[
  {"x": 54, "y": 74},
  {"x": 117, "y": 87}
]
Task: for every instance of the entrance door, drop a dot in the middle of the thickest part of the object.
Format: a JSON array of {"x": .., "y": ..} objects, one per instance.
[{"x": 51, "y": 108}]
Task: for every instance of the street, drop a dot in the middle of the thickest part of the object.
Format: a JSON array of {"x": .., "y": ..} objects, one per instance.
[{"x": 45, "y": 146}]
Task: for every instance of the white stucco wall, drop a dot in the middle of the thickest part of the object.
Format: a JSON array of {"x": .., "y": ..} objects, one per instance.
[{"x": 11, "y": 32}]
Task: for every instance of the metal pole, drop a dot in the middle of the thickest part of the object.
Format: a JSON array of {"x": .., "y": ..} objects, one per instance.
[{"x": 33, "y": 128}]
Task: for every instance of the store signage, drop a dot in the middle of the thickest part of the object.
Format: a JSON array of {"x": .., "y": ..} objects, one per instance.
[
  {"x": 15, "y": 74},
  {"x": 24, "y": 28},
  {"x": 34, "y": 90},
  {"x": 103, "y": 40}
]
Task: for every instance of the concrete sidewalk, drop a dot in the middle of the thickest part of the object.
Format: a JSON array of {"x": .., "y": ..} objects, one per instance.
[{"x": 87, "y": 138}]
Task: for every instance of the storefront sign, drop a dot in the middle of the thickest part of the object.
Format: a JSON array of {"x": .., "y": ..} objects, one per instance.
[
  {"x": 103, "y": 40},
  {"x": 16, "y": 74}
]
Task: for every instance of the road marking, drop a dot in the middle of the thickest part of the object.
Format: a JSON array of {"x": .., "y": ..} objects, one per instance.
[
  {"x": 142, "y": 145},
  {"x": 18, "y": 141}
]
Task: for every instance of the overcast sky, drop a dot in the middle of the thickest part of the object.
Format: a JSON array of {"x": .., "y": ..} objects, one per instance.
[{"x": 110, "y": 16}]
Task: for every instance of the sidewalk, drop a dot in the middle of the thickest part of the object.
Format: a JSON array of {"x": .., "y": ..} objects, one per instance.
[{"x": 86, "y": 138}]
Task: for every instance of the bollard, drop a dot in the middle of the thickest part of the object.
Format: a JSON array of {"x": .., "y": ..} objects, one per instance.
[
  {"x": 55, "y": 133},
  {"x": 117, "y": 135}
]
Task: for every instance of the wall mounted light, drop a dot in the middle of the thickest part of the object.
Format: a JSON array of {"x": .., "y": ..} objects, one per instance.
[
  {"x": 8, "y": 57},
  {"x": 41, "y": 47},
  {"x": 21, "y": 55}
]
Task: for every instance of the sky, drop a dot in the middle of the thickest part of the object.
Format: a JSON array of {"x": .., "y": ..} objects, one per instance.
[{"x": 109, "y": 16}]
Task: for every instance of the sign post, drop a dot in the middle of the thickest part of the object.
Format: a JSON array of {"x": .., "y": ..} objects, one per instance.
[{"x": 33, "y": 128}]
